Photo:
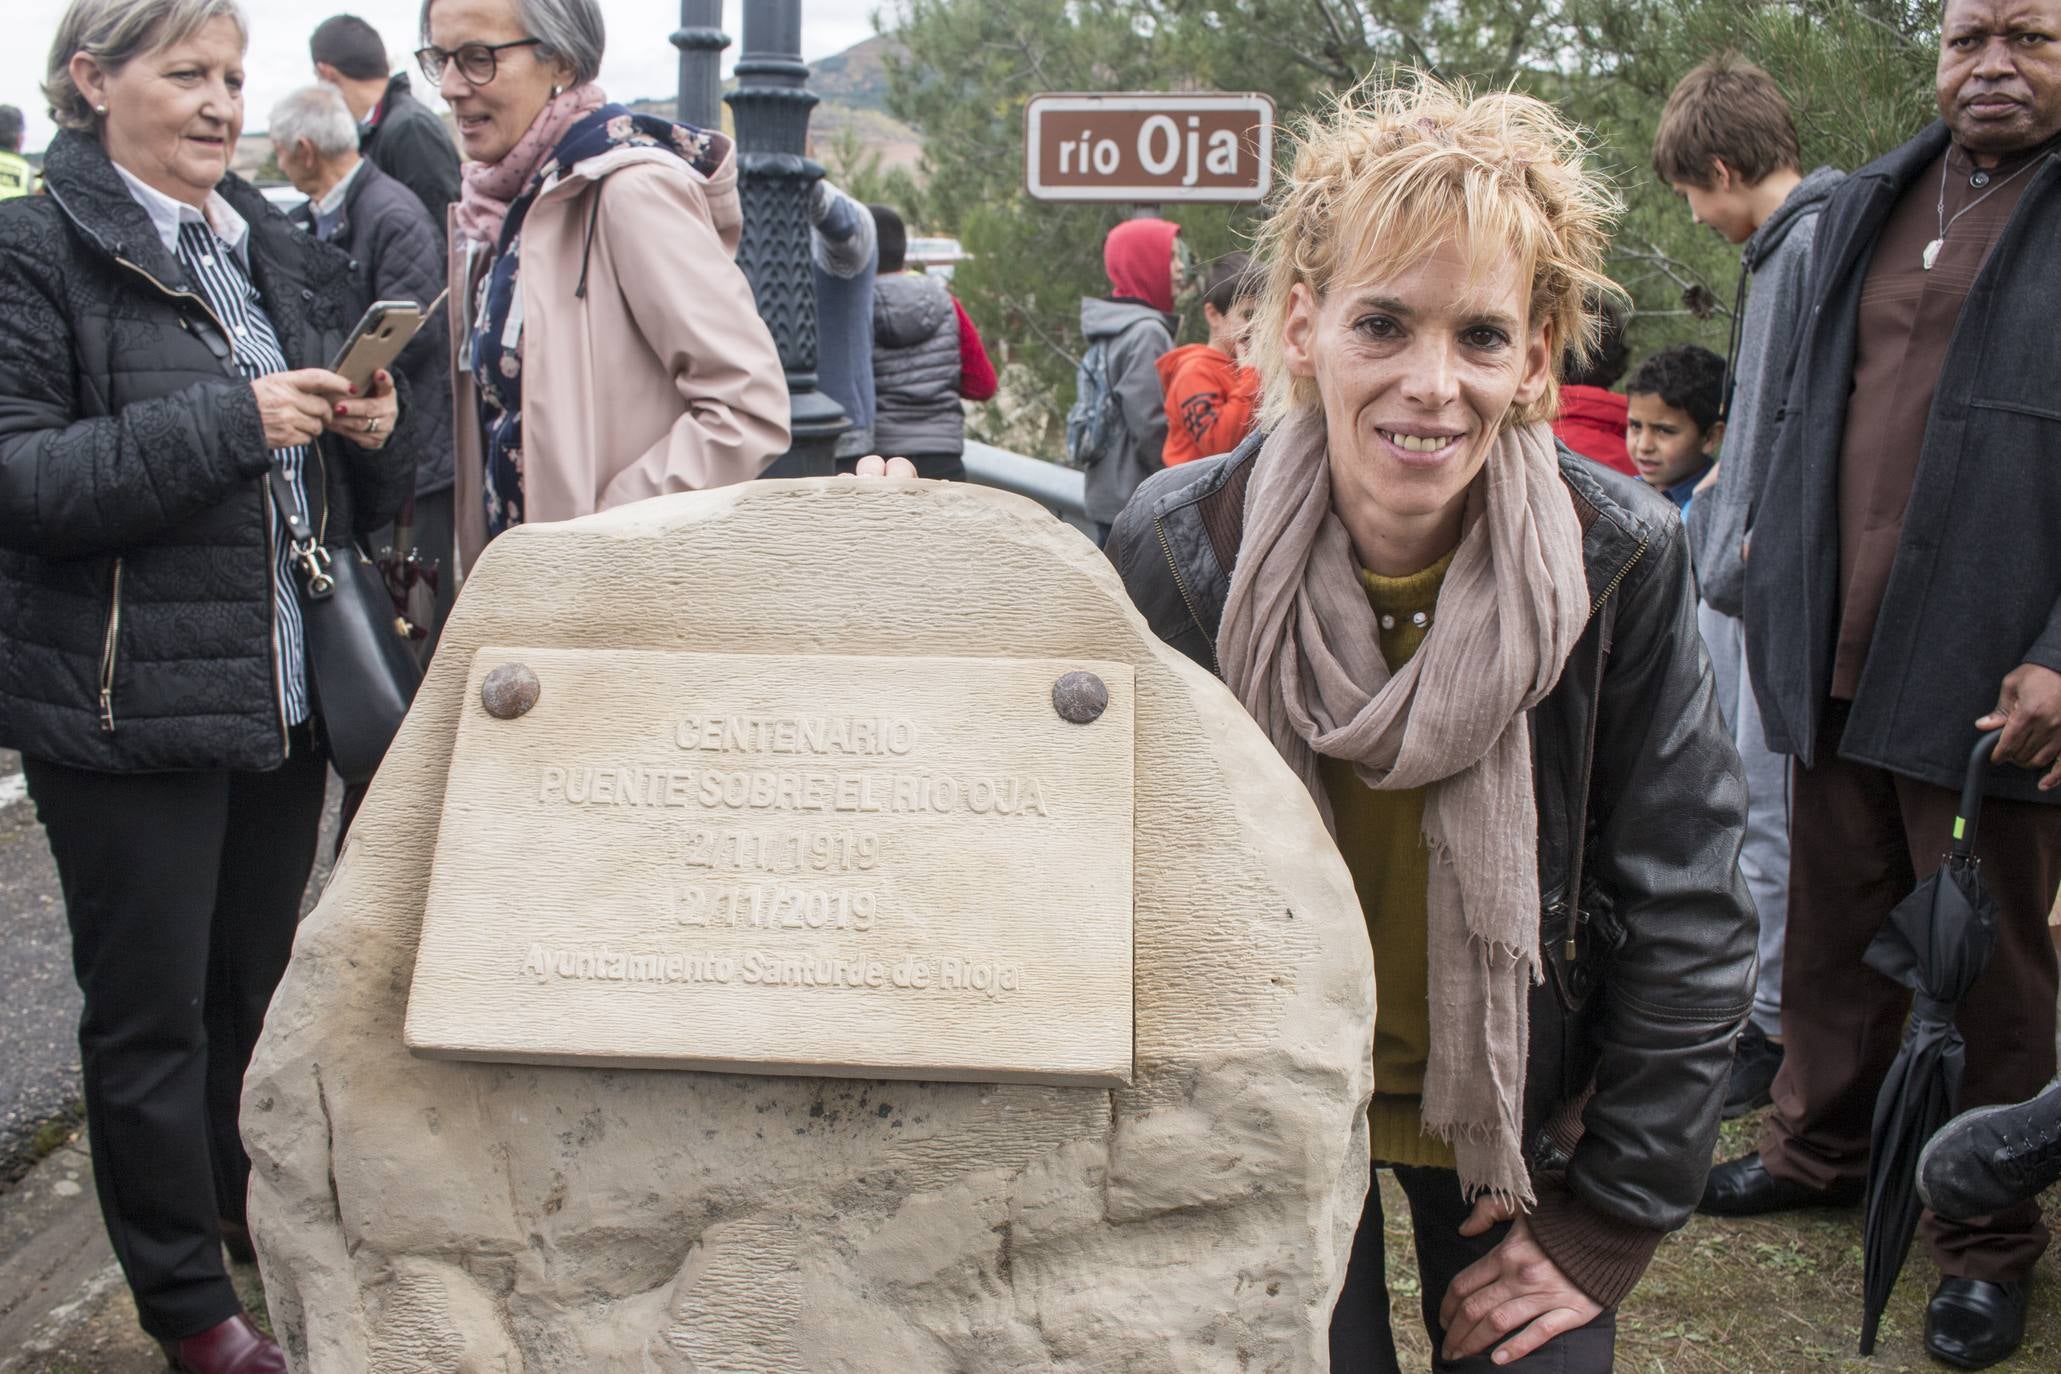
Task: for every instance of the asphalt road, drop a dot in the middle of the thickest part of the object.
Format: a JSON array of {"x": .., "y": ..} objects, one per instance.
[{"x": 39, "y": 1002}]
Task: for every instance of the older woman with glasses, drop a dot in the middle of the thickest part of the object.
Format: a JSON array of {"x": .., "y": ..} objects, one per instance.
[
  {"x": 606, "y": 346},
  {"x": 166, "y": 424}
]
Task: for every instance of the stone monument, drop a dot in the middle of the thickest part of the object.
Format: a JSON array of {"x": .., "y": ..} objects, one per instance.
[{"x": 816, "y": 926}]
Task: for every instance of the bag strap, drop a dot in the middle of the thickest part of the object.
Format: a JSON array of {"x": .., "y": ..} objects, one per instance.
[{"x": 307, "y": 553}]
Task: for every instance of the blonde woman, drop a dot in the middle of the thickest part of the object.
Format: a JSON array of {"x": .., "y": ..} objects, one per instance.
[{"x": 1480, "y": 654}]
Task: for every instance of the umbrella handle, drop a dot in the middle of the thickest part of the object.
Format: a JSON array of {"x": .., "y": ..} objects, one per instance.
[{"x": 1971, "y": 793}]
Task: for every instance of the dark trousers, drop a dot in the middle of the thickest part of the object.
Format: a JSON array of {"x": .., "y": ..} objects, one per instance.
[
  {"x": 182, "y": 890},
  {"x": 1861, "y": 840},
  {"x": 436, "y": 536},
  {"x": 1362, "y": 1341}
]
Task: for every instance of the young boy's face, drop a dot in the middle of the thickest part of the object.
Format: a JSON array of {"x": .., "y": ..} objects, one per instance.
[
  {"x": 1723, "y": 205},
  {"x": 1664, "y": 442},
  {"x": 1227, "y": 332}
]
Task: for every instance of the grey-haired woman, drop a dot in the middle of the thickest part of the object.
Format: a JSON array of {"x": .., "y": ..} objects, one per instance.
[
  {"x": 165, "y": 423},
  {"x": 586, "y": 232}
]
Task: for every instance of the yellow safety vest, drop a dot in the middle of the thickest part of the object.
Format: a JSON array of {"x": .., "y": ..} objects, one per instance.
[{"x": 17, "y": 178}]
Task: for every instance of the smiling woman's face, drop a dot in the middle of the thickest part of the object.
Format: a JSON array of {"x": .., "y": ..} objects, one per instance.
[
  {"x": 173, "y": 115},
  {"x": 1417, "y": 371}
]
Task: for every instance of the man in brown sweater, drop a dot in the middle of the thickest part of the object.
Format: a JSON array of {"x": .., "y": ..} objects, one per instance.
[{"x": 1900, "y": 600}]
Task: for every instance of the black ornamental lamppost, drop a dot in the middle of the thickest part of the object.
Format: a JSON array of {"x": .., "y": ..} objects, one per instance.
[
  {"x": 701, "y": 40},
  {"x": 771, "y": 105}
]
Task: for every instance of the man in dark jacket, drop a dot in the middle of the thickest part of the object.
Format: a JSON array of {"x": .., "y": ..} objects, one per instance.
[
  {"x": 1903, "y": 592},
  {"x": 17, "y": 178},
  {"x": 375, "y": 219},
  {"x": 395, "y": 130},
  {"x": 844, "y": 257}
]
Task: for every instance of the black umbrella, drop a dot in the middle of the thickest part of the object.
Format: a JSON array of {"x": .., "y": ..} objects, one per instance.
[{"x": 1936, "y": 942}]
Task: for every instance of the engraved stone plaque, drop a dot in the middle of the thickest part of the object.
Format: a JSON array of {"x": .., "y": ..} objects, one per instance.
[
  {"x": 492, "y": 1203},
  {"x": 846, "y": 866}
]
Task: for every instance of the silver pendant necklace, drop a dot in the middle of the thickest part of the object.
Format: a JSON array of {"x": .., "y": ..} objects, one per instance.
[{"x": 1932, "y": 248}]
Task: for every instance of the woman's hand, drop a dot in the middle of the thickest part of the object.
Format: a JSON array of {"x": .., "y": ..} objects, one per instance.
[
  {"x": 295, "y": 406},
  {"x": 368, "y": 420},
  {"x": 1488, "y": 1211},
  {"x": 873, "y": 465},
  {"x": 1514, "y": 1287}
]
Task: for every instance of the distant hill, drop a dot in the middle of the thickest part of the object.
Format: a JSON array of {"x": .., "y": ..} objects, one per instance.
[
  {"x": 856, "y": 77},
  {"x": 852, "y": 88}
]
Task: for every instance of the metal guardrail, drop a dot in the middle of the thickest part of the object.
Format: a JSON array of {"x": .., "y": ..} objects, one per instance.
[{"x": 1061, "y": 490}]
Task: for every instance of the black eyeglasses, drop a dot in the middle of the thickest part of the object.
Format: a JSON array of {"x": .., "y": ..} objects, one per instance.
[{"x": 477, "y": 62}]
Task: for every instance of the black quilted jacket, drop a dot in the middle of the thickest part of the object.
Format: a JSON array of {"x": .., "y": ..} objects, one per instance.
[
  {"x": 388, "y": 234},
  {"x": 1646, "y": 929},
  {"x": 411, "y": 145},
  {"x": 135, "y": 534}
]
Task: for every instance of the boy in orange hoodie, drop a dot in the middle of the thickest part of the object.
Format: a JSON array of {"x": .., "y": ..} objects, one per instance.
[{"x": 1210, "y": 395}]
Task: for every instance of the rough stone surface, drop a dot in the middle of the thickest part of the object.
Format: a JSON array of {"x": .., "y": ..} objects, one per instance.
[{"x": 416, "y": 1214}]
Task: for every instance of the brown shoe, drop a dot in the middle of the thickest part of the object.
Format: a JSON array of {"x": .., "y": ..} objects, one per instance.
[{"x": 230, "y": 1347}]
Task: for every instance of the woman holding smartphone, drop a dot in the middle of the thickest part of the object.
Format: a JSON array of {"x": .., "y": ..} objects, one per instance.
[
  {"x": 163, "y": 336},
  {"x": 605, "y": 346}
]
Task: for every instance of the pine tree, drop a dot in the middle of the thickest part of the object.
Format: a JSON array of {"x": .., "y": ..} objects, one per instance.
[
  {"x": 1859, "y": 78},
  {"x": 1859, "y": 73}
]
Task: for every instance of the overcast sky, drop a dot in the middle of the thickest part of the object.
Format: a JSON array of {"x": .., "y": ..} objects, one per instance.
[{"x": 640, "y": 61}]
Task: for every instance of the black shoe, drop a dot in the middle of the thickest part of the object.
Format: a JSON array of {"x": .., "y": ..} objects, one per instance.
[
  {"x": 1743, "y": 1188},
  {"x": 1972, "y": 1324},
  {"x": 1991, "y": 1159},
  {"x": 1755, "y": 1061}
]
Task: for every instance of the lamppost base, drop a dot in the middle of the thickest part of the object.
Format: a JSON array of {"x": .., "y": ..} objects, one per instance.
[{"x": 817, "y": 422}]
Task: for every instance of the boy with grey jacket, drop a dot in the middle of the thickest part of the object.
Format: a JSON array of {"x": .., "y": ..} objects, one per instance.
[{"x": 1727, "y": 145}]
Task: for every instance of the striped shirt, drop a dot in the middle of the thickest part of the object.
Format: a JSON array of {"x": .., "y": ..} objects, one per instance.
[{"x": 219, "y": 271}]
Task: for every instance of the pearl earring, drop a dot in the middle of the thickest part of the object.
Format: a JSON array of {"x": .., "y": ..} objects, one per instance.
[
  {"x": 100, "y": 109},
  {"x": 557, "y": 91}
]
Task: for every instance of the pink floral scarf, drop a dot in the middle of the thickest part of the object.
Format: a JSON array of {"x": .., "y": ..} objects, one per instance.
[{"x": 491, "y": 187}]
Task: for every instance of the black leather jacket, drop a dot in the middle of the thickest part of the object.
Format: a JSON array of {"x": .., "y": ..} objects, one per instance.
[{"x": 1641, "y": 806}]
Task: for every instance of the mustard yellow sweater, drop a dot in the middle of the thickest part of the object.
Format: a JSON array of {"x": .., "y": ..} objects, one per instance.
[{"x": 1381, "y": 835}]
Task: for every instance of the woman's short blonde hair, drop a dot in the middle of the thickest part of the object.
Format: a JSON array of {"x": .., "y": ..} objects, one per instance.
[
  {"x": 1397, "y": 169},
  {"x": 115, "y": 32}
]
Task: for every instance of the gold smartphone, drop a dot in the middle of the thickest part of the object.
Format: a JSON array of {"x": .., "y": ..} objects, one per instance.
[{"x": 382, "y": 333}]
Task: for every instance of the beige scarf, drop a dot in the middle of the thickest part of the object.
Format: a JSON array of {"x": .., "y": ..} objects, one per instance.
[{"x": 1300, "y": 647}]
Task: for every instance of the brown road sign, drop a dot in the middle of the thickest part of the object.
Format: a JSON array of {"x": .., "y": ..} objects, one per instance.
[{"x": 1149, "y": 146}]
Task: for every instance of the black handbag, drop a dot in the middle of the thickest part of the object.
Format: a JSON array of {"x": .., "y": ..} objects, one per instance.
[{"x": 359, "y": 663}]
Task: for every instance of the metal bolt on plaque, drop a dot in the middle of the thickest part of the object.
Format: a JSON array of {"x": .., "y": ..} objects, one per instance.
[
  {"x": 1079, "y": 697},
  {"x": 509, "y": 691}
]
